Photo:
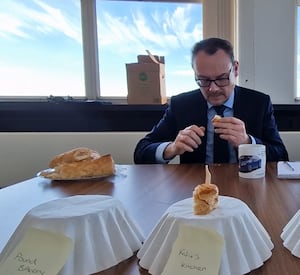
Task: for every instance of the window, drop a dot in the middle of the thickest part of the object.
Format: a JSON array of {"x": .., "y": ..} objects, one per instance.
[
  {"x": 41, "y": 45},
  {"x": 41, "y": 48},
  {"x": 129, "y": 28}
]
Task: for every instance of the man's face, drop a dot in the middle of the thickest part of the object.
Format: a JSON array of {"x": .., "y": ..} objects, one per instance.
[{"x": 215, "y": 67}]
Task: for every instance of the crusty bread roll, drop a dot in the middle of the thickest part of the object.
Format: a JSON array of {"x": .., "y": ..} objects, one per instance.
[
  {"x": 101, "y": 166},
  {"x": 79, "y": 163},
  {"x": 74, "y": 155},
  {"x": 205, "y": 198}
]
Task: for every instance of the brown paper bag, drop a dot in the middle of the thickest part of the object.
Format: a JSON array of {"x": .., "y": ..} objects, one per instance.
[{"x": 146, "y": 80}]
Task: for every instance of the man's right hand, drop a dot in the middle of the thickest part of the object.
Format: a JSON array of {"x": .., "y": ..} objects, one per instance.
[{"x": 187, "y": 140}]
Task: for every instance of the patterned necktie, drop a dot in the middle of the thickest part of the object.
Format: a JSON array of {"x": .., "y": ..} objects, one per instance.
[{"x": 221, "y": 153}]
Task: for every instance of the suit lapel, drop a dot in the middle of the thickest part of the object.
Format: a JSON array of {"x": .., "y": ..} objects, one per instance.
[
  {"x": 203, "y": 121},
  {"x": 236, "y": 102}
]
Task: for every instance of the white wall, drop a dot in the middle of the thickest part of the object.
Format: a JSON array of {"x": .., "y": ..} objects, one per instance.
[
  {"x": 291, "y": 141},
  {"x": 25, "y": 154},
  {"x": 267, "y": 47}
]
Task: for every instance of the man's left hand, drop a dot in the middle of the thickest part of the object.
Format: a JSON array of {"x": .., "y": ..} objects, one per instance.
[{"x": 233, "y": 130}]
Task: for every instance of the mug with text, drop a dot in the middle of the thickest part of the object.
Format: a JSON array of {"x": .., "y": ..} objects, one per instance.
[{"x": 252, "y": 161}]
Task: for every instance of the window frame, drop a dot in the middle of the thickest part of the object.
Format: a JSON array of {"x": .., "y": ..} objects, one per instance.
[
  {"x": 90, "y": 46},
  {"x": 297, "y": 93},
  {"x": 219, "y": 19}
]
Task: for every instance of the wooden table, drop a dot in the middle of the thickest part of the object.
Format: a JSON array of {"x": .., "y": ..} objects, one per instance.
[{"x": 148, "y": 190}]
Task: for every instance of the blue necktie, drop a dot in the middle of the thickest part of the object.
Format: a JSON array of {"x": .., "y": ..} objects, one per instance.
[{"x": 221, "y": 152}]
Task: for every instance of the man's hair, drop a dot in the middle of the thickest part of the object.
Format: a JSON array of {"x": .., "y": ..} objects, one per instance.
[{"x": 211, "y": 45}]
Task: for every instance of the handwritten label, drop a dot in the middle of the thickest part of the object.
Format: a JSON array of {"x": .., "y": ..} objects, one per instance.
[
  {"x": 39, "y": 252},
  {"x": 195, "y": 251}
]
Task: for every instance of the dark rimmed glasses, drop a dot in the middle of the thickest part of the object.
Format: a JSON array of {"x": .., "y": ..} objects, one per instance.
[{"x": 220, "y": 82}]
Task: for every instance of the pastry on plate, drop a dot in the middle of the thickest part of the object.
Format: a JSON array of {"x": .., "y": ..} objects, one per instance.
[
  {"x": 79, "y": 163},
  {"x": 205, "y": 197}
]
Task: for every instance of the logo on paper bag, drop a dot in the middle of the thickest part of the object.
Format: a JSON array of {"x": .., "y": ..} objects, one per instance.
[{"x": 143, "y": 77}]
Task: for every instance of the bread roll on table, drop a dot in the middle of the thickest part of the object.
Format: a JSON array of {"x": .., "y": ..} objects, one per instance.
[{"x": 79, "y": 163}]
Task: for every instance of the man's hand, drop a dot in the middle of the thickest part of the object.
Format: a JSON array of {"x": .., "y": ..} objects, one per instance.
[
  {"x": 233, "y": 130},
  {"x": 187, "y": 140}
]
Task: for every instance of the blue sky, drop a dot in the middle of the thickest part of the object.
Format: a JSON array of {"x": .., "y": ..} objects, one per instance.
[
  {"x": 40, "y": 44},
  {"x": 167, "y": 30},
  {"x": 40, "y": 47}
]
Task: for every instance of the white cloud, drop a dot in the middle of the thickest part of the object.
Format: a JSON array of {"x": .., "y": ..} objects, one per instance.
[
  {"x": 167, "y": 31},
  {"x": 11, "y": 25},
  {"x": 24, "y": 21},
  {"x": 32, "y": 82},
  {"x": 54, "y": 20}
]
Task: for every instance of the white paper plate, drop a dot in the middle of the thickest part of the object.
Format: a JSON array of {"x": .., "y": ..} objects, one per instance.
[
  {"x": 39, "y": 174},
  {"x": 118, "y": 171}
]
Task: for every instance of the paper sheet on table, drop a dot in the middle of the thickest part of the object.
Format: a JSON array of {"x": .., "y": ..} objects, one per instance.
[
  {"x": 288, "y": 170},
  {"x": 39, "y": 252},
  {"x": 195, "y": 250}
]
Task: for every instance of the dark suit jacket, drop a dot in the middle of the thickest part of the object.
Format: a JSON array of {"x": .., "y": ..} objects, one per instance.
[{"x": 252, "y": 107}]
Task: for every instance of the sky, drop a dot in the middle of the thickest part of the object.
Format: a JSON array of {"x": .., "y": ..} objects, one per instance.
[
  {"x": 165, "y": 29},
  {"x": 41, "y": 44},
  {"x": 40, "y": 47}
]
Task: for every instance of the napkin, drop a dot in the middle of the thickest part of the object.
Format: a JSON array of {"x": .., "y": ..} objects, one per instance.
[{"x": 288, "y": 170}]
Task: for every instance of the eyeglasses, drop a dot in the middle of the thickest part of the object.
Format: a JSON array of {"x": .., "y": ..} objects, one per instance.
[{"x": 220, "y": 82}]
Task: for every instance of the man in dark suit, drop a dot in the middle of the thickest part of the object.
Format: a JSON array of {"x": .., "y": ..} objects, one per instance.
[{"x": 187, "y": 128}]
